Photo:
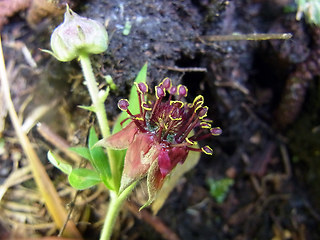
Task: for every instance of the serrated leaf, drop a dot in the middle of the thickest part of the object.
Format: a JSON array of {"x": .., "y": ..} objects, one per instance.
[
  {"x": 170, "y": 183},
  {"x": 59, "y": 163},
  {"x": 83, "y": 178},
  {"x": 98, "y": 157},
  {"x": 82, "y": 151}
]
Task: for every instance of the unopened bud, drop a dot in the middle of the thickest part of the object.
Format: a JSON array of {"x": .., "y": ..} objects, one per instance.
[{"x": 78, "y": 35}]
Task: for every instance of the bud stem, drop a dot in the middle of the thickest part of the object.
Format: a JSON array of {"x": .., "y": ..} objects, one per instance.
[{"x": 98, "y": 104}]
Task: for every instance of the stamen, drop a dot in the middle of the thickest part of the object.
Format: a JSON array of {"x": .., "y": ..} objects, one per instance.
[
  {"x": 175, "y": 118},
  {"x": 205, "y": 125},
  {"x": 160, "y": 93},
  {"x": 191, "y": 141},
  {"x": 203, "y": 112},
  {"x": 198, "y": 101},
  {"x": 173, "y": 90},
  {"x": 176, "y": 104},
  {"x": 216, "y": 131},
  {"x": 142, "y": 87},
  {"x": 166, "y": 83},
  {"x": 207, "y": 150},
  {"x": 146, "y": 107},
  {"x": 182, "y": 91},
  {"x": 123, "y": 104}
]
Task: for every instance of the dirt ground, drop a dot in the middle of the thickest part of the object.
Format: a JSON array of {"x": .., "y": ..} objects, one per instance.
[{"x": 263, "y": 94}]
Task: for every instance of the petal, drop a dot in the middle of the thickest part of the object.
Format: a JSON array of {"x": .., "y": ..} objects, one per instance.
[
  {"x": 178, "y": 155},
  {"x": 140, "y": 155},
  {"x": 164, "y": 162},
  {"x": 120, "y": 140}
]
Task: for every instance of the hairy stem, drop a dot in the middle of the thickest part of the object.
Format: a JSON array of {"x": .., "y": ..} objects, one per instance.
[{"x": 99, "y": 108}]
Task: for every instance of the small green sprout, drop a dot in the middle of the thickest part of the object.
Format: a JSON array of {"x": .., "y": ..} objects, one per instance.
[{"x": 220, "y": 188}]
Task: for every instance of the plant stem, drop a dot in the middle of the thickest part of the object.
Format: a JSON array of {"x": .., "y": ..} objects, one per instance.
[
  {"x": 113, "y": 211},
  {"x": 99, "y": 108},
  {"x": 94, "y": 94}
]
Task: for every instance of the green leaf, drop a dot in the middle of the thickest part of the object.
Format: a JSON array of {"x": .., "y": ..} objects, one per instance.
[
  {"x": 107, "y": 182},
  {"x": 83, "y": 178},
  {"x": 89, "y": 108},
  {"x": 220, "y": 188},
  {"x": 58, "y": 163},
  {"x": 82, "y": 151},
  {"x": 99, "y": 158}
]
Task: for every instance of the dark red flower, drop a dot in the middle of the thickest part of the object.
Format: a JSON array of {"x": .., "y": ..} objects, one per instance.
[{"x": 161, "y": 135}]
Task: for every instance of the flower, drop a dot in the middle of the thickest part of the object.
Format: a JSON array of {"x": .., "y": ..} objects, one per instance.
[
  {"x": 77, "y": 35},
  {"x": 160, "y": 136}
]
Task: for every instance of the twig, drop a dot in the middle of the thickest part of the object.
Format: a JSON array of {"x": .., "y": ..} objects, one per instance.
[
  {"x": 234, "y": 85},
  {"x": 182, "y": 69},
  {"x": 57, "y": 141},
  {"x": 45, "y": 186},
  {"x": 247, "y": 37}
]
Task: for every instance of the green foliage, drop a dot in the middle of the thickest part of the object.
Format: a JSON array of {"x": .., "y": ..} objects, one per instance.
[
  {"x": 98, "y": 159},
  {"x": 83, "y": 152},
  {"x": 83, "y": 178},
  {"x": 219, "y": 188},
  {"x": 59, "y": 163}
]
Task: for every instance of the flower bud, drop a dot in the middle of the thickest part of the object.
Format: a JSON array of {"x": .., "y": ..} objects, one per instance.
[{"x": 78, "y": 35}]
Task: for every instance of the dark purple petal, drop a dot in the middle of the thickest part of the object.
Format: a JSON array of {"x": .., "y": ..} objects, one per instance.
[{"x": 164, "y": 162}]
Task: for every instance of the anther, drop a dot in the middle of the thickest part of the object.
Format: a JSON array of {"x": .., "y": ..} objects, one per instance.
[
  {"x": 205, "y": 125},
  {"x": 123, "y": 104},
  {"x": 207, "y": 150},
  {"x": 173, "y": 90},
  {"x": 142, "y": 87},
  {"x": 166, "y": 83},
  {"x": 216, "y": 131},
  {"x": 203, "y": 112},
  {"x": 182, "y": 91},
  {"x": 160, "y": 92}
]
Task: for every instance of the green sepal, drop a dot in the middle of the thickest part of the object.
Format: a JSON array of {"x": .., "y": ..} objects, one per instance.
[{"x": 83, "y": 178}]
